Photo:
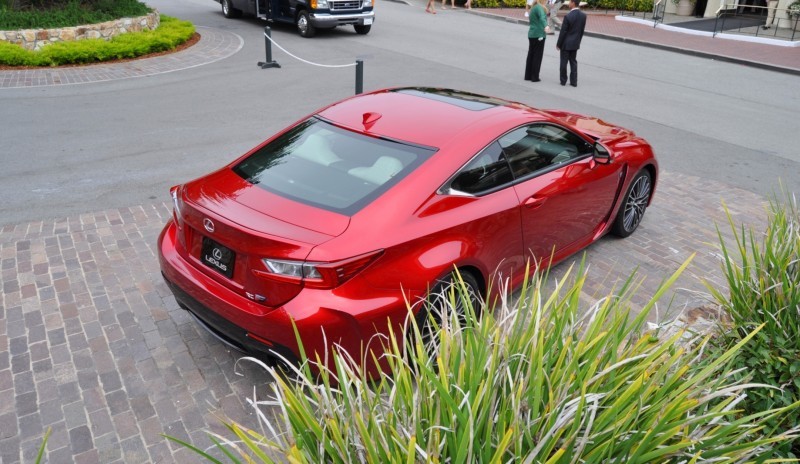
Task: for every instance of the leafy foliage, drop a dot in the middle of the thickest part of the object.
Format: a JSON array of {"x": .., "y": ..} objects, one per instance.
[
  {"x": 171, "y": 33},
  {"x": 622, "y": 5},
  {"x": 793, "y": 10},
  {"x": 486, "y": 3},
  {"x": 765, "y": 290},
  {"x": 69, "y": 13},
  {"x": 538, "y": 381}
]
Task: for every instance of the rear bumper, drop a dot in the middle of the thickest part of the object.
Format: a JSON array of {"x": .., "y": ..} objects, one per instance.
[
  {"x": 229, "y": 333},
  {"x": 328, "y": 20},
  {"x": 322, "y": 318}
]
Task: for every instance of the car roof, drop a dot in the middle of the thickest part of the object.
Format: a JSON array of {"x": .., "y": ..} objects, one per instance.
[{"x": 421, "y": 115}]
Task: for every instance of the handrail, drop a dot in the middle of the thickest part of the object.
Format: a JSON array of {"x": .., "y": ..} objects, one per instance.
[
  {"x": 778, "y": 15},
  {"x": 656, "y": 16}
]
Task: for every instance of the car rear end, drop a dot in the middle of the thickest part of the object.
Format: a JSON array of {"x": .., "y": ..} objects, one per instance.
[{"x": 239, "y": 251}]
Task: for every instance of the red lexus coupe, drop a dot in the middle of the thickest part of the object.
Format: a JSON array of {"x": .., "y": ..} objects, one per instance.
[{"x": 339, "y": 220}]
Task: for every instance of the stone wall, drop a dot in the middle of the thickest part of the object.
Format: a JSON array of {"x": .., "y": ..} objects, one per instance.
[{"x": 35, "y": 39}]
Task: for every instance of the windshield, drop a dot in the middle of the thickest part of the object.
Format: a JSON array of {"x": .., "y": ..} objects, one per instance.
[{"x": 322, "y": 165}]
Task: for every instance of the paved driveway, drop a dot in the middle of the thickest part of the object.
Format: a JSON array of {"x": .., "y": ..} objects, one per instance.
[{"x": 93, "y": 345}]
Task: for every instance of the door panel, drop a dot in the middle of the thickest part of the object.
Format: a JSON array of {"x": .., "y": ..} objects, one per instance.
[
  {"x": 480, "y": 198},
  {"x": 565, "y": 196},
  {"x": 566, "y": 205}
]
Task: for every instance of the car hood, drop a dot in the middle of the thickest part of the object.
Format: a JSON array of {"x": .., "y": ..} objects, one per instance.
[
  {"x": 225, "y": 193},
  {"x": 594, "y": 127}
]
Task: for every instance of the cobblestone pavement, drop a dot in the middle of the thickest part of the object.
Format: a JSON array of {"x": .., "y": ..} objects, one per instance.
[
  {"x": 93, "y": 346},
  {"x": 214, "y": 45}
]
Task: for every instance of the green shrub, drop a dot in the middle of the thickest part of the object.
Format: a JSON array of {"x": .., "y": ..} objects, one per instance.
[
  {"x": 486, "y": 3},
  {"x": 171, "y": 33},
  {"x": 763, "y": 276},
  {"x": 72, "y": 13},
  {"x": 514, "y": 3},
  {"x": 622, "y": 5},
  {"x": 542, "y": 381}
]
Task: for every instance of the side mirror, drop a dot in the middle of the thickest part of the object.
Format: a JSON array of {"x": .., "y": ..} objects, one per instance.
[{"x": 601, "y": 154}]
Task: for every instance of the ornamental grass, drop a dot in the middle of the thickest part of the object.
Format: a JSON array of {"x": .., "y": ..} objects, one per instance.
[
  {"x": 542, "y": 379},
  {"x": 762, "y": 270}
]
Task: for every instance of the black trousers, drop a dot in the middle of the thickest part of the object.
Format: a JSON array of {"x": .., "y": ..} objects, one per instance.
[
  {"x": 534, "y": 62},
  {"x": 570, "y": 56}
]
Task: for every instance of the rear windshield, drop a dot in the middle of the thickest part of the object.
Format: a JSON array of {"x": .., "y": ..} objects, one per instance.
[{"x": 322, "y": 165}]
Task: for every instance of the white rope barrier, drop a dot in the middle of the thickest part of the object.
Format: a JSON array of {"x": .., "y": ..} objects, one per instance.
[{"x": 306, "y": 61}]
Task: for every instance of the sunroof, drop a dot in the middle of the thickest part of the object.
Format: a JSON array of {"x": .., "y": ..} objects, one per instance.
[{"x": 466, "y": 100}]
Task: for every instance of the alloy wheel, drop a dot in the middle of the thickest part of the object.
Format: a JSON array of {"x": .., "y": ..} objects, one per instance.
[
  {"x": 442, "y": 312},
  {"x": 637, "y": 203}
]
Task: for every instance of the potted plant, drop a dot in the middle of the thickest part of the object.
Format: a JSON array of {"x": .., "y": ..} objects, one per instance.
[
  {"x": 684, "y": 7},
  {"x": 793, "y": 10}
]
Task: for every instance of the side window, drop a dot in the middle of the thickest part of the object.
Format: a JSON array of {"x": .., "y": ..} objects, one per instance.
[
  {"x": 541, "y": 146},
  {"x": 486, "y": 171}
]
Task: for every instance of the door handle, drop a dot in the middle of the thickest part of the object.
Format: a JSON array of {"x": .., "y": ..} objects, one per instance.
[{"x": 534, "y": 202}]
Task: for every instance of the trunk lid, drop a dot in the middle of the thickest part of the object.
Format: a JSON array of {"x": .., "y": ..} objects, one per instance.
[{"x": 229, "y": 226}]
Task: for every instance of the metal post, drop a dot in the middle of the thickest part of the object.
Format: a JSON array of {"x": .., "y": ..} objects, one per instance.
[
  {"x": 268, "y": 47},
  {"x": 359, "y": 77}
]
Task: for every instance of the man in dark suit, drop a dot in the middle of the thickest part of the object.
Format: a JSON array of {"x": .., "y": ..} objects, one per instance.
[{"x": 569, "y": 41}]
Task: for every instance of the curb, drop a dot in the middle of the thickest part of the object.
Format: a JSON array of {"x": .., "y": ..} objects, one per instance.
[
  {"x": 697, "y": 53},
  {"x": 670, "y": 48}
]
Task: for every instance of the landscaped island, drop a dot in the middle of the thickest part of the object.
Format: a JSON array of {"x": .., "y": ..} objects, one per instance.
[{"x": 54, "y": 32}]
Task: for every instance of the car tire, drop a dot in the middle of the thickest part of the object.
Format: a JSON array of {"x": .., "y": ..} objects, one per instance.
[
  {"x": 437, "y": 308},
  {"x": 363, "y": 30},
  {"x": 633, "y": 206},
  {"x": 229, "y": 11},
  {"x": 304, "y": 26}
]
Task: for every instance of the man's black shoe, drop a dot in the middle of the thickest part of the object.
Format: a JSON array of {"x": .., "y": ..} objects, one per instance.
[{"x": 574, "y": 85}]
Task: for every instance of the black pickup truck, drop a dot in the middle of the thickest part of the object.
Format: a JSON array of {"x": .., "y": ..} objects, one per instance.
[{"x": 308, "y": 15}]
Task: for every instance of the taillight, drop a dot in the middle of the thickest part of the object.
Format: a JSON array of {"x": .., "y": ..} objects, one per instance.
[
  {"x": 292, "y": 269},
  {"x": 177, "y": 214},
  {"x": 319, "y": 275},
  {"x": 176, "y": 206}
]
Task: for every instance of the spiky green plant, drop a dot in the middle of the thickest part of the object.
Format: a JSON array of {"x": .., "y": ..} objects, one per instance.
[
  {"x": 542, "y": 380},
  {"x": 763, "y": 276}
]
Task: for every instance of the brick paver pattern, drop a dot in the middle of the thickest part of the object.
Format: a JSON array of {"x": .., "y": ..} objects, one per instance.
[
  {"x": 93, "y": 345},
  {"x": 214, "y": 45}
]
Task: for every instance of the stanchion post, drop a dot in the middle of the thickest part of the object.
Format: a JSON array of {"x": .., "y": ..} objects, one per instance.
[
  {"x": 359, "y": 77},
  {"x": 268, "y": 47}
]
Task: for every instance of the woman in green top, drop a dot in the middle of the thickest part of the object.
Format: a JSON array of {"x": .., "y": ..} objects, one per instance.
[{"x": 536, "y": 37}]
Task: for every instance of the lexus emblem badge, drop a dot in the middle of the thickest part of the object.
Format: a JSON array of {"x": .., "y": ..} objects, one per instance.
[
  {"x": 209, "y": 225},
  {"x": 217, "y": 253}
]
